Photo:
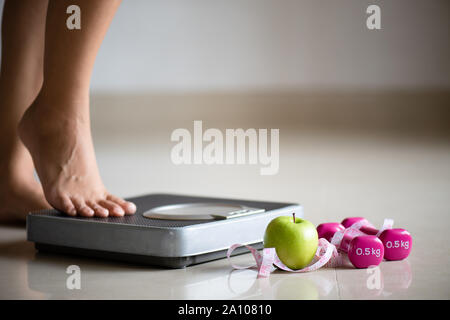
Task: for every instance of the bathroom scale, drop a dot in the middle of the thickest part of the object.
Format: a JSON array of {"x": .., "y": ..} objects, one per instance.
[{"x": 167, "y": 230}]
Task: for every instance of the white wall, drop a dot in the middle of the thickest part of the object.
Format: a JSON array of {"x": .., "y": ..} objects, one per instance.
[{"x": 263, "y": 44}]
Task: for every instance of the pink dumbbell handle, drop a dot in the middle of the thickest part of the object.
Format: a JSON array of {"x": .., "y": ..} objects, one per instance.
[
  {"x": 366, "y": 227},
  {"x": 369, "y": 230},
  {"x": 342, "y": 239}
]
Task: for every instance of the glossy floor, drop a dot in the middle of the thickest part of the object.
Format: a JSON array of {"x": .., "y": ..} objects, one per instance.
[
  {"x": 27, "y": 274},
  {"x": 366, "y": 155}
]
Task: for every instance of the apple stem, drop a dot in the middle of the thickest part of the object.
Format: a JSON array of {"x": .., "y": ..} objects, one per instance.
[{"x": 293, "y": 214}]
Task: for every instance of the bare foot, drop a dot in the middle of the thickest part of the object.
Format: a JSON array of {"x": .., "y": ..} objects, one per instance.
[
  {"x": 19, "y": 198},
  {"x": 60, "y": 143},
  {"x": 20, "y": 193}
]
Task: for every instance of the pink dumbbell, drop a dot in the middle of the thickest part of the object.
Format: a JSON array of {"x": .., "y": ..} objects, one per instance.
[
  {"x": 363, "y": 250},
  {"x": 327, "y": 230},
  {"x": 397, "y": 242}
]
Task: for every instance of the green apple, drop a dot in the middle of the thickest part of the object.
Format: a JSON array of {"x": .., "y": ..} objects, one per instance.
[{"x": 295, "y": 240}]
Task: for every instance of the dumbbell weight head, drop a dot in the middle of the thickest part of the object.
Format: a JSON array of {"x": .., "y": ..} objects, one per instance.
[
  {"x": 327, "y": 230},
  {"x": 365, "y": 251},
  {"x": 397, "y": 243},
  {"x": 348, "y": 222}
]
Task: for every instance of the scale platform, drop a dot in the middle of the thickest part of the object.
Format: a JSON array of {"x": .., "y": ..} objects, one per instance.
[{"x": 167, "y": 230}]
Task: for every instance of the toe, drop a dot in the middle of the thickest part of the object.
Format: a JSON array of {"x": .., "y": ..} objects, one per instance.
[
  {"x": 99, "y": 211},
  {"x": 128, "y": 207},
  {"x": 86, "y": 212},
  {"x": 81, "y": 207},
  {"x": 67, "y": 206},
  {"x": 114, "y": 209}
]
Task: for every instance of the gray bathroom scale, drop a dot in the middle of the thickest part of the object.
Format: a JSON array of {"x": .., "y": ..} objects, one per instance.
[{"x": 167, "y": 230}]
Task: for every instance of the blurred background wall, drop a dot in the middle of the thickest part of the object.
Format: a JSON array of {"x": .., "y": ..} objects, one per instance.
[{"x": 200, "y": 45}]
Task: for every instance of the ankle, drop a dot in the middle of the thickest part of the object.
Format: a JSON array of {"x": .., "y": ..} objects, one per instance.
[
  {"x": 48, "y": 114},
  {"x": 59, "y": 106},
  {"x": 51, "y": 95}
]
